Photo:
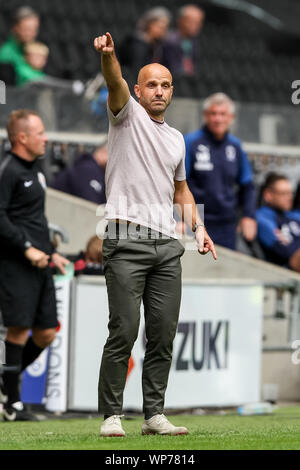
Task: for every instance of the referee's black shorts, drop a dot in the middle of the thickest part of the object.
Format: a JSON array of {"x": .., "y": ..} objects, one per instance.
[{"x": 27, "y": 295}]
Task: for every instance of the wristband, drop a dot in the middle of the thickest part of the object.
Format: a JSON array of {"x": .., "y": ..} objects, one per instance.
[{"x": 195, "y": 226}]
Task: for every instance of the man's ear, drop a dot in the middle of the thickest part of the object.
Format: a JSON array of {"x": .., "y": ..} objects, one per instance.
[
  {"x": 267, "y": 196},
  {"x": 22, "y": 138},
  {"x": 137, "y": 91},
  {"x": 232, "y": 118}
]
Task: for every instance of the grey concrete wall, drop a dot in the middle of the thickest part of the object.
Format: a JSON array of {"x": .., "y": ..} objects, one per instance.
[
  {"x": 231, "y": 265},
  {"x": 278, "y": 370},
  {"x": 77, "y": 216}
]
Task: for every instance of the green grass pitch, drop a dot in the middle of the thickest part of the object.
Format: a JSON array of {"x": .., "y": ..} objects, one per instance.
[{"x": 279, "y": 431}]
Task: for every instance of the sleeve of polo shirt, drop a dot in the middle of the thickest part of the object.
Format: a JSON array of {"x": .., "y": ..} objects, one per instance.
[
  {"x": 118, "y": 118},
  {"x": 180, "y": 173}
]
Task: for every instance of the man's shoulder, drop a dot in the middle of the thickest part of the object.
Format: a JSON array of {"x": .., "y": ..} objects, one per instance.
[
  {"x": 8, "y": 167},
  {"x": 10, "y": 51},
  {"x": 194, "y": 136},
  {"x": 175, "y": 131},
  {"x": 130, "y": 106},
  {"x": 265, "y": 213},
  {"x": 6, "y": 45},
  {"x": 6, "y": 52},
  {"x": 135, "y": 105},
  {"x": 233, "y": 140},
  {"x": 83, "y": 165},
  {"x": 293, "y": 215}
]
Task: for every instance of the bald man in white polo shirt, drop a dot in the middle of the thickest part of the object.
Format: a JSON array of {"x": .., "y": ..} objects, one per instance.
[{"x": 145, "y": 176}]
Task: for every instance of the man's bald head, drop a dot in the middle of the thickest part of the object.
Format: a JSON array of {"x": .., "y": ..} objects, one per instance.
[
  {"x": 153, "y": 70},
  {"x": 154, "y": 89}
]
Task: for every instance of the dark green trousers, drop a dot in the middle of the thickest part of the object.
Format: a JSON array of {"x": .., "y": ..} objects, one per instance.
[{"x": 136, "y": 270}]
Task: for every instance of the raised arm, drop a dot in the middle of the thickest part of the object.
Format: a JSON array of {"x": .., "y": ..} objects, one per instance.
[{"x": 118, "y": 91}]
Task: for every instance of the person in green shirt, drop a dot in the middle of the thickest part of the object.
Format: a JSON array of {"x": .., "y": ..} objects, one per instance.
[
  {"x": 24, "y": 30},
  {"x": 31, "y": 69}
]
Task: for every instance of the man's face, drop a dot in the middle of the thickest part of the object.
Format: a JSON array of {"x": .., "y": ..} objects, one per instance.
[
  {"x": 155, "y": 90},
  {"x": 158, "y": 28},
  {"x": 34, "y": 139},
  {"x": 280, "y": 195},
  {"x": 191, "y": 23},
  {"x": 27, "y": 29},
  {"x": 218, "y": 119}
]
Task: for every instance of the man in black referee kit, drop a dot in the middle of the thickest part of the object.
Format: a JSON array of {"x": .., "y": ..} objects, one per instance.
[
  {"x": 27, "y": 294},
  {"x": 145, "y": 168}
]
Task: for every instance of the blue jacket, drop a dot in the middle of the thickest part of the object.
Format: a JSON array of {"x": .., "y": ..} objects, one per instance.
[
  {"x": 219, "y": 176},
  {"x": 85, "y": 179},
  {"x": 268, "y": 221}
]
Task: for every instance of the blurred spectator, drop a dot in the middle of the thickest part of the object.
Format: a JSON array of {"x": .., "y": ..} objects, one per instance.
[
  {"x": 27, "y": 292},
  {"x": 86, "y": 178},
  {"x": 145, "y": 45},
  {"x": 182, "y": 48},
  {"x": 24, "y": 29},
  {"x": 219, "y": 174},
  {"x": 278, "y": 225},
  {"x": 22, "y": 59},
  {"x": 31, "y": 69},
  {"x": 89, "y": 261}
]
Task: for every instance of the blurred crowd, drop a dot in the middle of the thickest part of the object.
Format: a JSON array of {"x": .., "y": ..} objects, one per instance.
[
  {"x": 23, "y": 58},
  {"x": 154, "y": 41}
]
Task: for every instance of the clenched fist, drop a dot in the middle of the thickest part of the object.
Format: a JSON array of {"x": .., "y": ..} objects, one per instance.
[
  {"x": 38, "y": 258},
  {"x": 104, "y": 44}
]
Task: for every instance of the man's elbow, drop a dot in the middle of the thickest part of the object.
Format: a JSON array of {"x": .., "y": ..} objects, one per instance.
[{"x": 294, "y": 261}]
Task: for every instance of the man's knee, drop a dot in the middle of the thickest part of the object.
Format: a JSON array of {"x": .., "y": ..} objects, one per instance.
[
  {"x": 43, "y": 338},
  {"x": 17, "y": 335},
  {"x": 123, "y": 341}
]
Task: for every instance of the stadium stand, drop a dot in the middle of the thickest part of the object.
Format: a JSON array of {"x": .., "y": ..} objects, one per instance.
[{"x": 251, "y": 59}]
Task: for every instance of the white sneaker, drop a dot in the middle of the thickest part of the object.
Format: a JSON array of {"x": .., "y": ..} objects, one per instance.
[
  {"x": 112, "y": 427},
  {"x": 159, "y": 424}
]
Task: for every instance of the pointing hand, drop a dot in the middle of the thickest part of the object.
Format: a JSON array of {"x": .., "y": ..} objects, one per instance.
[{"x": 104, "y": 44}]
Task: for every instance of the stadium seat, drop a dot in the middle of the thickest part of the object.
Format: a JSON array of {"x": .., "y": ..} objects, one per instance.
[{"x": 7, "y": 74}]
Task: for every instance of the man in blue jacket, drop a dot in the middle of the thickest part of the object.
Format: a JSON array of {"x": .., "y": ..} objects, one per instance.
[
  {"x": 219, "y": 174},
  {"x": 278, "y": 225},
  {"x": 86, "y": 178}
]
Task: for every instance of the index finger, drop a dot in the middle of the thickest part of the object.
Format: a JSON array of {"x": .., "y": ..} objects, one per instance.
[
  {"x": 213, "y": 251},
  {"x": 108, "y": 35}
]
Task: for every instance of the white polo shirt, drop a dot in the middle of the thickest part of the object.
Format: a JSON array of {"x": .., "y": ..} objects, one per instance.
[{"x": 144, "y": 158}]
